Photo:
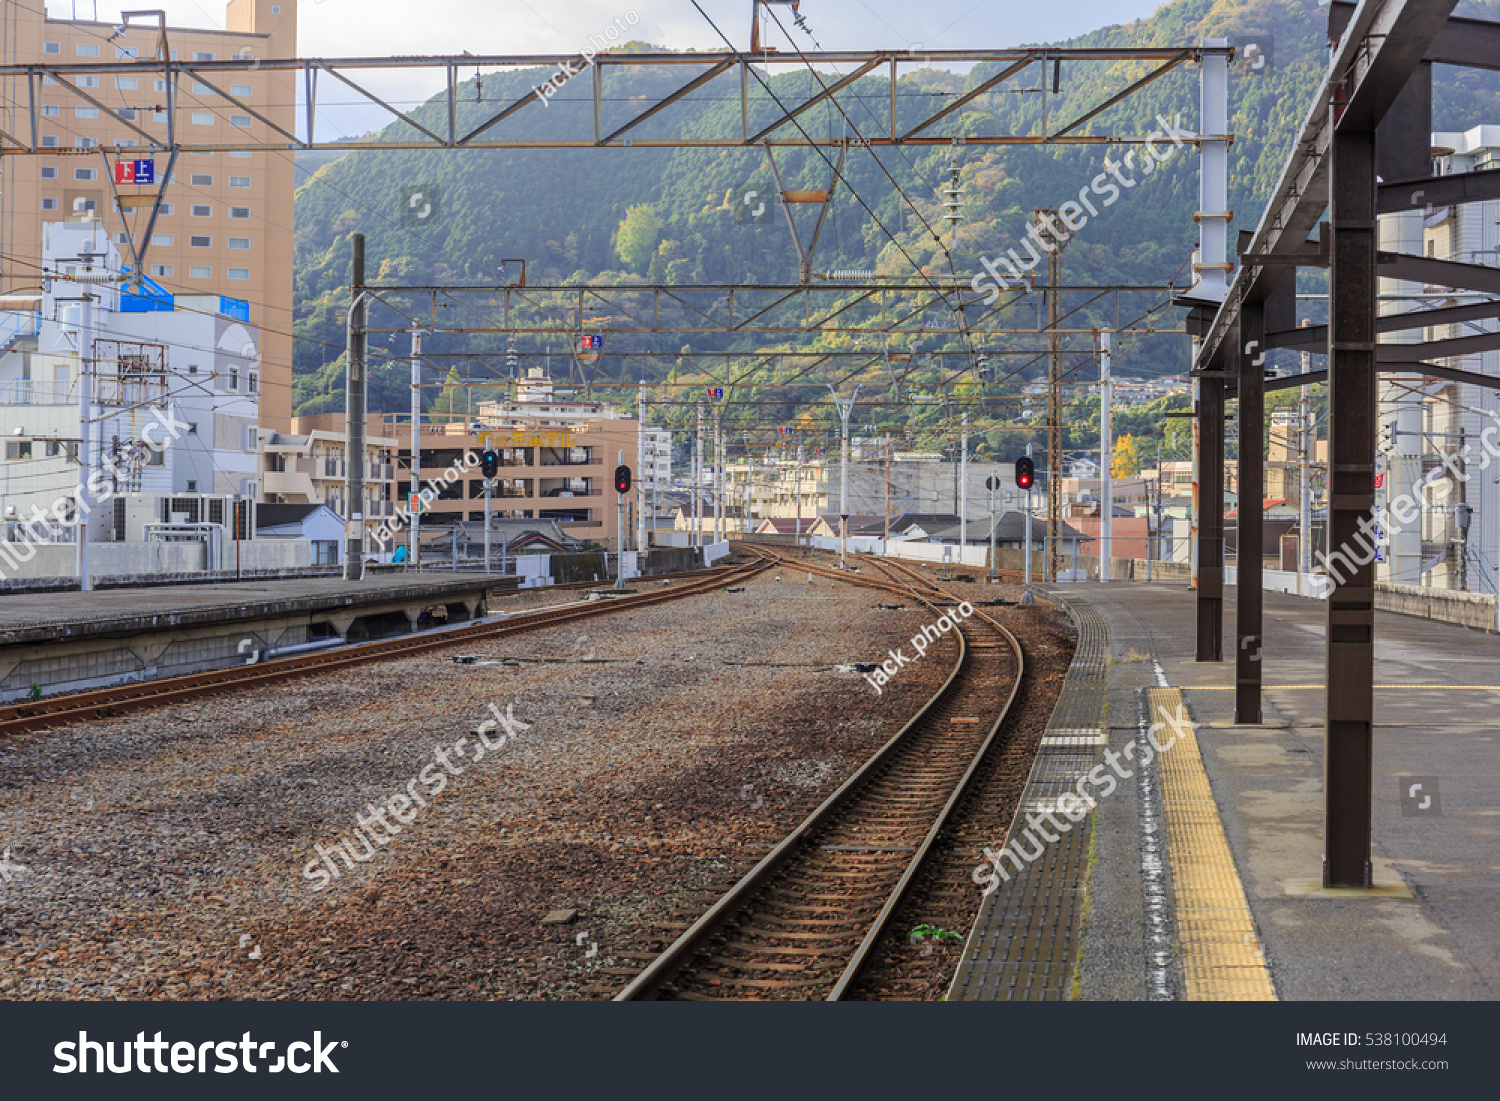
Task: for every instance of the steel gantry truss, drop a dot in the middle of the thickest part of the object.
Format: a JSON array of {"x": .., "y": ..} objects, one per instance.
[
  {"x": 1371, "y": 115},
  {"x": 599, "y": 95}
]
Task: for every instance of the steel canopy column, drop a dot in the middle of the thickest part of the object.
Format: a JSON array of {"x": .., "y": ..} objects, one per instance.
[
  {"x": 1211, "y": 516},
  {"x": 1351, "y": 497},
  {"x": 1249, "y": 594}
]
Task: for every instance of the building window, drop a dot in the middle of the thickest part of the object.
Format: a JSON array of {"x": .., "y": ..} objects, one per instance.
[
  {"x": 239, "y": 273},
  {"x": 166, "y": 208},
  {"x": 51, "y": 110},
  {"x": 86, "y": 112},
  {"x": 253, "y": 383},
  {"x": 126, "y": 53},
  {"x": 239, "y": 212},
  {"x": 49, "y": 141},
  {"x": 200, "y": 242},
  {"x": 122, "y": 238},
  {"x": 275, "y": 9},
  {"x": 241, "y": 91},
  {"x": 192, "y": 486},
  {"x": 85, "y": 173},
  {"x": 163, "y": 240},
  {"x": 234, "y": 377},
  {"x": 200, "y": 273},
  {"x": 88, "y": 49},
  {"x": 242, "y": 154},
  {"x": 201, "y": 210},
  {"x": 199, "y": 55},
  {"x": 239, "y": 181},
  {"x": 51, "y": 47},
  {"x": 18, "y": 449},
  {"x": 325, "y": 552},
  {"x": 49, "y": 204},
  {"x": 201, "y": 179},
  {"x": 239, "y": 242},
  {"x": 161, "y": 271},
  {"x": 203, "y": 118},
  {"x": 158, "y": 114},
  {"x": 129, "y": 115},
  {"x": 54, "y": 448},
  {"x": 200, "y": 89},
  {"x": 127, "y": 83},
  {"x": 242, "y": 121},
  {"x": 87, "y": 81},
  {"x": 193, "y": 428},
  {"x": 249, "y": 437},
  {"x": 160, "y": 86},
  {"x": 49, "y": 171},
  {"x": 85, "y": 143}
]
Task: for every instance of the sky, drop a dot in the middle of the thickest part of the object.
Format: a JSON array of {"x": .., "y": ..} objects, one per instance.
[{"x": 364, "y": 28}]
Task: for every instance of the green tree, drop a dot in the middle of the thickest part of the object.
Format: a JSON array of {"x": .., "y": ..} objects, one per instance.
[
  {"x": 452, "y": 401},
  {"x": 635, "y": 240}
]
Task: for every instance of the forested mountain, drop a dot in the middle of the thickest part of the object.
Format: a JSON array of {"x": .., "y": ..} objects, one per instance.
[{"x": 658, "y": 215}]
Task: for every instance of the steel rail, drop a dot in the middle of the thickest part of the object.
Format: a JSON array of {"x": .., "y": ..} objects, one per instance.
[{"x": 666, "y": 966}]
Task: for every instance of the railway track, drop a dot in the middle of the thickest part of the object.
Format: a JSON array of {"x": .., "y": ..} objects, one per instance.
[
  {"x": 806, "y": 921},
  {"x": 110, "y": 702}
]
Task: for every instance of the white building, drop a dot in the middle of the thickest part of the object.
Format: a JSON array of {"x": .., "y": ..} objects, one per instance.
[{"x": 175, "y": 393}]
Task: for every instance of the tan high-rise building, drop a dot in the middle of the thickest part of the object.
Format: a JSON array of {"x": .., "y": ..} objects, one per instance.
[{"x": 226, "y": 226}]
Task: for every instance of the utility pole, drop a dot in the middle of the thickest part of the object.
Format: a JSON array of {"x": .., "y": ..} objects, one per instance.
[
  {"x": 354, "y": 416},
  {"x": 698, "y": 480},
  {"x": 489, "y": 485},
  {"x": 1304, "y": 476},
  {"x": 845, "y": 408},
  {"x": 640, "y": 462},
  {"x": 1046, "y": 220},
  {"x": 85, "y": 428},
  {"x": 1106, "y": 452},
  {"x": 888, "y": 495},
  {"x": 797, "y": 537},
  {"x": 963, "y": 479},
  {"x": 414, "y": 553},
  {"x": 990, "y": 483}
]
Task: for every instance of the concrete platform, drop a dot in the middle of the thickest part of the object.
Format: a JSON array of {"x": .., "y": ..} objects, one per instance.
[
  {"x": 1437, "y": 713},
  {"x": 71, "y": 640}
]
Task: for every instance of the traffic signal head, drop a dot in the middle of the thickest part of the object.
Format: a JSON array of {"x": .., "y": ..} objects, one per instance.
[
  {"x": 1025, "y": 472},
  {"x": 622, "y": 479},
  {"x": 489, "y": 462}
]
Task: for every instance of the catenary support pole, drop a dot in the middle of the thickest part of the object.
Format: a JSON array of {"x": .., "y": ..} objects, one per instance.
[
  {"x": 1211, "y": 516},
  {"x": 355, "y": 401},
  {"x": 414, "y": 553},
  {"x": 1250, "y": 546},
  {"x": 1347, "y": 761},
  {"x": 1106, "y": 456}
]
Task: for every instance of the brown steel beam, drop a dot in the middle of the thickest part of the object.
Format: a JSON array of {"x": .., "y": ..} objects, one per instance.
[
  {"x": 1249, "y": 595},
  {"x": 1211, "y": 517},
  {"x": 1349, "y": 561}
]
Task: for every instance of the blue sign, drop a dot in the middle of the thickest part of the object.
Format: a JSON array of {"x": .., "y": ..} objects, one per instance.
[{"x": 716, "y": 393}]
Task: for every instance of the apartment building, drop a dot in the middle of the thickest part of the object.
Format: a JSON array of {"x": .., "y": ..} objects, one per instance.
[
  {"x": 310, "y": 465},
  {"x": 226, "y": 226}
]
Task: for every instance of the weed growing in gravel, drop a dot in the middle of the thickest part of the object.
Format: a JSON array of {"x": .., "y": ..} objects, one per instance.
[{"x": 404, "y": 806}]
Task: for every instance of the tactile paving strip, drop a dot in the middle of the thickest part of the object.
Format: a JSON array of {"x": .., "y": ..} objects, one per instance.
[
  {"x": 1024, "y": 943},
  {"x": 1221, "y": 956}
]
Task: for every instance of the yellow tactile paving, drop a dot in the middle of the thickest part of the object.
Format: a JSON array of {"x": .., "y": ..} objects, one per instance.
[{"x": 1220, "y": 953}]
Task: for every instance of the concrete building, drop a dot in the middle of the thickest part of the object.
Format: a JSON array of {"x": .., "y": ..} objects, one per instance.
[
  {"x": 920, "y": 484},
  {"x": 175, "y": 391},
  {"x": 226, "y": 226},
  {"x": 309, "y": 465}
]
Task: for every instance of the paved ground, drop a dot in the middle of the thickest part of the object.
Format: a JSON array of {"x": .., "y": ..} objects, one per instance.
[{"x": 1437, "y": 714}]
